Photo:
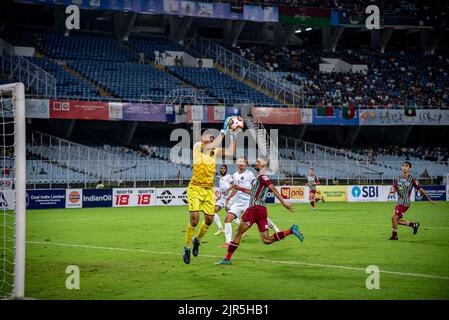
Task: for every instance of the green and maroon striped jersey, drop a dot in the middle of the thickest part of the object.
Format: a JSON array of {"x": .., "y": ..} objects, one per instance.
[
  {"x": 404, "y": 187},
  {"x": 260, "y": 190}
]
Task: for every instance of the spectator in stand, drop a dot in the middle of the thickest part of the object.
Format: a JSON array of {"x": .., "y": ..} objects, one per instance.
[
  {"x": 141, "y": 58},
  {"x": 392, "y": 78},
  {"x": 293, "y": 156},
  {"x": 5, "y": 171}
]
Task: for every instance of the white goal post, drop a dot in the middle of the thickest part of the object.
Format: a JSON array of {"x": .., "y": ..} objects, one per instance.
[{"x": 13, "y": 190}]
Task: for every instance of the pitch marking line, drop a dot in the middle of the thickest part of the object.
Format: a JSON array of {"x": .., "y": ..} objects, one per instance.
[{"x": 418, "y": 275}]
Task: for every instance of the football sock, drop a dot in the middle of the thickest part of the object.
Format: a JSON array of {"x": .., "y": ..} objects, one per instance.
[
  {"x": 272, "y": 226},
  {"x": 228, "y": 232},
  {"x": 218, "y": 221},
  {"x": 189, "y": 234},
  {"x": 395, "y": 232},
  {"x": 232, "y": 247},
  {"x": 279, "y": 236},
  {"x": 312, "y": 203},
  {"x": 237, "y": 221},
  {"x": 203, "y": 229}
]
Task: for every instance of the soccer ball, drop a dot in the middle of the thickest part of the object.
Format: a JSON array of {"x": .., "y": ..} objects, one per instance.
[{"x": 236, "y": 123}]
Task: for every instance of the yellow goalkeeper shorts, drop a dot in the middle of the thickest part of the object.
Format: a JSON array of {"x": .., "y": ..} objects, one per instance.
[{"x": 201, "y": 199}]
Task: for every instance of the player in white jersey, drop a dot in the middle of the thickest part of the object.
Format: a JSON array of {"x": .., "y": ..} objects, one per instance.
[
  {"x": 224, "y": 187},
  {"x": 244, "y": 179}
]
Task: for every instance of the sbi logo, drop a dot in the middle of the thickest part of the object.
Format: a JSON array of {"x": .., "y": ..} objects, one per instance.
[
  {"x": 365, "y": 192},
  {"x": 356, "y": 192}
]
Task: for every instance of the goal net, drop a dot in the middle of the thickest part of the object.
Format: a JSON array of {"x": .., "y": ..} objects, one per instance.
[{"x": 12, "y": 191}]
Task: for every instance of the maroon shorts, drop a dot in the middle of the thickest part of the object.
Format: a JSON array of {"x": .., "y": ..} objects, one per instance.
[
  {"x": 256, "y": 214},
  {"x": 400, "y": 209},
  {"x": 312, "y": 192}
]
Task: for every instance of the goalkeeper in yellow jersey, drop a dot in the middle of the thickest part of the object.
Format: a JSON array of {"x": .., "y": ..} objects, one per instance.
[{"x": 200, "y": 193}]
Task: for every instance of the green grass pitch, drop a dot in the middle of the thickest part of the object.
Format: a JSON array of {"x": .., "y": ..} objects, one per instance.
[{"x": 136, "y": 253}]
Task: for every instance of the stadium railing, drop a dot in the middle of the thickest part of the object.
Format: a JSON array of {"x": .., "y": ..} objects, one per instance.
[
  {"x": 151, "y": 172},
  {"x": 22, "y": 70},
  {"x": 244, "y": 69}
]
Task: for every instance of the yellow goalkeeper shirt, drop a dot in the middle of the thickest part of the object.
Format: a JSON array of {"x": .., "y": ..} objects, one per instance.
[{"x": 203, "y": 166}]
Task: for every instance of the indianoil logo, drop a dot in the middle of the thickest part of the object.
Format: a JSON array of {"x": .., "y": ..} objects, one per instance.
[{"x": 74, "y": 197}]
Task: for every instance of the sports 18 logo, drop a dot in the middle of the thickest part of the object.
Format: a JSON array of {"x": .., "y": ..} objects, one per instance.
[
  {"x": 122, "y": 199},
  {"x": 143, "y": 199}
]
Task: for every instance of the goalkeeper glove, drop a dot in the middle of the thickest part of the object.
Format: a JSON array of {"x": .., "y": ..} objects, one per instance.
[{"x": 225, "y": 126}]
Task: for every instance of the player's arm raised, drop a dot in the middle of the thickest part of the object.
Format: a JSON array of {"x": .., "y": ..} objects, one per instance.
[
  {"x": 230, "y": 151},
  {"x": 217, "y": 141},
  {"x": 287, "y": 205}
]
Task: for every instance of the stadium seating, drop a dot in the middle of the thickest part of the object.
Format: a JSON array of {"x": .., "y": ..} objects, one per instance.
[
  {"x": 128, "y": 80},
  {"x": 68, "y": 85},
  {"x": 63, "y": 164},
  {"x": 221, "y": 86},
  {"x": 393, "y": 78},
  {"x": 85, "y": 46},
  {"x": 149, "y": 45}
]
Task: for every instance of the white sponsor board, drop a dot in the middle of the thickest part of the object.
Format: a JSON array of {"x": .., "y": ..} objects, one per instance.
[
  {"x": 115, "y": 110},
  {"x": 134, "y": 197},
  {"x": 73, "y": 198},
  {"x": 171, "y": 196},
  {"x": 306, "y": 116},
  {"x": 373, "y": 194},
  {"x": 7, "y": 200},
  {"x": 37, "y": 108}
]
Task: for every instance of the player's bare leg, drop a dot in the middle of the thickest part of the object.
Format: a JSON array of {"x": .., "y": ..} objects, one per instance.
[
  {"x": 234, "y": 244},
  {"x": 318, "y": 199},
  {"x": 190, "y": 230},
  {"x": 205, "y": 224},
  {"x": 413, "y": 225},
  {"x": 278, "y": 236},
  {"x": 312, "y": 200},
  {"x": 396, "y": 221}
]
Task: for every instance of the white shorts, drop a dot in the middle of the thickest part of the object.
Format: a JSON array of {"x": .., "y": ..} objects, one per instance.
[
  {"x": 221, "y": 203},
  {"x": 238, "y": 208}
]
